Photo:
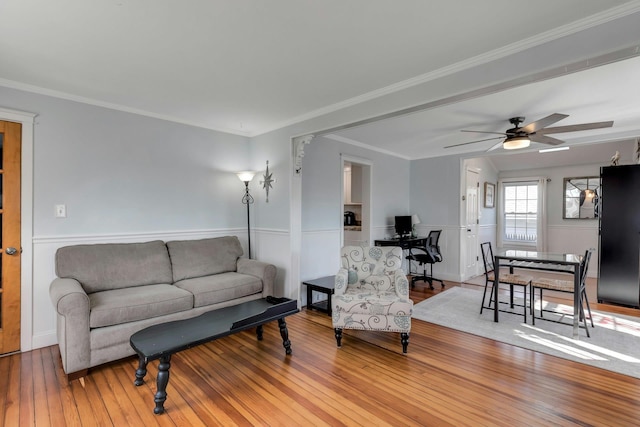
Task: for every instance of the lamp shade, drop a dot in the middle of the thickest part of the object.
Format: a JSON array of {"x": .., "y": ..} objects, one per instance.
[
  {"x": 516, "y": 142},
  {"x": 415, "y": 219},
  {"x": 246, "y": 176}
]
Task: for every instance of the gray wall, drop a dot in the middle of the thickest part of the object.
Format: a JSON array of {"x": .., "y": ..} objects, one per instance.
[
  {"x": 122, "y": 173},
  {"x": 322, "y": 180},
  {"x": 435, "y": 190}
]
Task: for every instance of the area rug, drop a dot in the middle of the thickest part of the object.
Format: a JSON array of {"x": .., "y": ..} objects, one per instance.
[{"x": 614, "y": 344}]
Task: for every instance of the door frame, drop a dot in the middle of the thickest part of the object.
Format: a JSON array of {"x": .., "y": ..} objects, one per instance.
[
  {"x": 466, "y": 169},
  {"x": 26, "y": 218},
  {"x": 367, "y": 174}
]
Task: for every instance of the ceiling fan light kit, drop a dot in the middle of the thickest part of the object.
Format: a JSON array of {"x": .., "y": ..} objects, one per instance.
[{"x": 516, "y": 142}]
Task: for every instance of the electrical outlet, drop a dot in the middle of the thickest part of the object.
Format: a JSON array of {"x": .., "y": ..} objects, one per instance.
[{"x": 61, "y": 211}]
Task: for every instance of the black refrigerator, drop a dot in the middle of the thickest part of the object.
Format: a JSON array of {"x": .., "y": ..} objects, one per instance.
[{"x": 619, "y": 240}]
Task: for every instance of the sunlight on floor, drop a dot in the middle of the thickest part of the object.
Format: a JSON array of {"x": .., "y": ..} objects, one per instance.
[
  {"x": 600, "y": 319},
  {"x": 582, "y": 349}
]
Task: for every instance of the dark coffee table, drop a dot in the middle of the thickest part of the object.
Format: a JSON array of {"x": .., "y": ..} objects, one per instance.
[{"x": 163, "y": 340}]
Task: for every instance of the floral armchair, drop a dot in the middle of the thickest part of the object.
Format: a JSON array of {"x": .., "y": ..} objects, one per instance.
[{"x": 372, "y": 292}]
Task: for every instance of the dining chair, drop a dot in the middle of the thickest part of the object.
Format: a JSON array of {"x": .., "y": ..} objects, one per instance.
[
  {"x": 566, "y": 286},
  {"x": 510, "y": 279}
]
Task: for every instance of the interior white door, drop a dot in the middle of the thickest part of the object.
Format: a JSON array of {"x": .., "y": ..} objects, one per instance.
[{"x": 472, "y": 179}]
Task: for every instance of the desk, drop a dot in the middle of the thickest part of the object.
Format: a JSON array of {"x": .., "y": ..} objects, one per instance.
[
  {"x": 406, "y": 244},
  {"x": 534, "y": 260}
]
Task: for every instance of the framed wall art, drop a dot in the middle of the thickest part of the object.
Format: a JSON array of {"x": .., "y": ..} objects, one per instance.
[{"x": 489, "y": 195}]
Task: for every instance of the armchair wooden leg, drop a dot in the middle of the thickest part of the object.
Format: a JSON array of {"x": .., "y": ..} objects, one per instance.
[
  {"x": 338, "y": 336},
  {"x": 404, "y": 339}
]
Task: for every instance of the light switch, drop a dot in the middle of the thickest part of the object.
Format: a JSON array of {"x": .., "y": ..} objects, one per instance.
[{"x": 61, "y": 211}]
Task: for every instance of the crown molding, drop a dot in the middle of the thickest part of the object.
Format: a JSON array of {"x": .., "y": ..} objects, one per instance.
[
  {"x": 12, "y": 84},
  {"x": 350, "y": 141}
]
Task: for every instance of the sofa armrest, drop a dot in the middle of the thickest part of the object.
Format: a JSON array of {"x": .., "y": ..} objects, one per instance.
[
  {"x": 266, "y": 272},
  {"x": 342, "y": 280},
  {"x": 401, "y": 284},
  {"x": 72, "y": 306}
]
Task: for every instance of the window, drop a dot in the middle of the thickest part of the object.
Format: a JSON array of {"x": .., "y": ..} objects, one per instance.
[{"x": 520, "y": 212}]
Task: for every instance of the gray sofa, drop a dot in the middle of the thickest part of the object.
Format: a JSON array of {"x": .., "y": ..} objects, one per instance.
[{"x": 106, "y": 292}]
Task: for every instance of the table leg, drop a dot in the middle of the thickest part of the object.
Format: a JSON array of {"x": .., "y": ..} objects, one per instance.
[
  {"x": 259, "y": 332},
  {"x": 309, "y": 296},
  {"x": 496, "y": 280},
  {"x": 576, "y": 300},
  {"x": 141, "y": 371},
  {"x": 285, "y": 335},
  {"x": 162, "y": 381}
]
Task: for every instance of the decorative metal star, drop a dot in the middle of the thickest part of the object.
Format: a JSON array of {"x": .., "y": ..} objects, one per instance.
[{"x": 268, "y": 180}]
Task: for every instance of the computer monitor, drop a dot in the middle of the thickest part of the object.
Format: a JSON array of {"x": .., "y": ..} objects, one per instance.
[{"x": 403, "y": 225}]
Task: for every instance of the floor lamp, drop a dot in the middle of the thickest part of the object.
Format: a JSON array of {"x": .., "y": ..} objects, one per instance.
[{"x": 247, "y": 199}]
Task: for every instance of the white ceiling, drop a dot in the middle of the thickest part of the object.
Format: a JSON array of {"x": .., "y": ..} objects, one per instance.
[{"x": 251, "y": 66}]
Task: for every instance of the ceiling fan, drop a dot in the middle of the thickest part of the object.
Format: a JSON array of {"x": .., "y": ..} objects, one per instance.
[{"x": 521, "y": 137}]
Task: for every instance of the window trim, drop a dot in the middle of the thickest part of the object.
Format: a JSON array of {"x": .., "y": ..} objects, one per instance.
[
  {"x": 519, "y": 242},
  {"x": 540, "y": 243}
]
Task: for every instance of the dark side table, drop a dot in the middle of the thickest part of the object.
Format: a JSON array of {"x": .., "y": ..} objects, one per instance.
[{"x": 323, "y": 285}]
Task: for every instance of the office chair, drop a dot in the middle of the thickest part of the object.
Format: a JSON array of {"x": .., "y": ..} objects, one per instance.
[{"x": 430, "y": 256}]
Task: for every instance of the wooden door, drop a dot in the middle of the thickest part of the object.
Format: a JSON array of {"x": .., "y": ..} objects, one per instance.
[{"x": 10, "y": 248}]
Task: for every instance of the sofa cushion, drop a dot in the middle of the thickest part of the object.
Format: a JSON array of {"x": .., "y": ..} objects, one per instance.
[
  {"x": 198, "y": 258},
  {"x": 119, "y": 306},
  {"x": 220, "y": 287},
  {"x": 110, "y": 266}
]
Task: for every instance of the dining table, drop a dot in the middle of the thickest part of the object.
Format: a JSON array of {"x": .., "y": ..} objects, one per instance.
[{"x": 544, "y": 261}]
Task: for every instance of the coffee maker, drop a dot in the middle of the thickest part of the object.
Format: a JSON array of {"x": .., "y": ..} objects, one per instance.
[{"x": 349, "y": 218}]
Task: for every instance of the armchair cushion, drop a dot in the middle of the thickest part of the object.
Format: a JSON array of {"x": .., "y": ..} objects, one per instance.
[{"x": 378, "y": 282}]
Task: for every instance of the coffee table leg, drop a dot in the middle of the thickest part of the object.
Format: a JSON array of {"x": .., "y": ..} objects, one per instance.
[
  {"x": 285, "y": 335},
  {"x": 259, "y": 331},
  {"x": 141, "y": 371},
  {"x": 162, "y": 381}
]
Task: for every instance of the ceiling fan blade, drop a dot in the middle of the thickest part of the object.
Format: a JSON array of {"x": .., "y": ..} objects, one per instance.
[
  {"x": 473, "y": 142},
  {"x": 544, "y": 122},
  {"x": 575, "y": 128},
  {"x": 479, "y": 131},
  {"x": 498, "y": 145},
  {"x": 538, "y": 137}
]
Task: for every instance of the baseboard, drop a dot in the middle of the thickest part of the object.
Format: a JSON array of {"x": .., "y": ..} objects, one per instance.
[{"x": 45, "y": 339}]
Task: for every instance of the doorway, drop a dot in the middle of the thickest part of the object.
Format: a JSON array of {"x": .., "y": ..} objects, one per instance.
[
  {"x": 470, "y": 247},
  {"x": 10, "y": 245},
  {"x": 356, "y": 201}
]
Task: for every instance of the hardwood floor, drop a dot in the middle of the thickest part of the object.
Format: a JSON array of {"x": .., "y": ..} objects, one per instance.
[{"x": 447, "y": 378}]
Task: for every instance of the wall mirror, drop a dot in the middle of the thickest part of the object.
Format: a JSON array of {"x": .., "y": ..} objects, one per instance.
[{"x": 581, "y": 198}]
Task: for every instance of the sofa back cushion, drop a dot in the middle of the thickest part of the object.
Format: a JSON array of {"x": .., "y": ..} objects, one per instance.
[
  {"x": 198, "y": 258},
  {"x": 108, "y": 266}
]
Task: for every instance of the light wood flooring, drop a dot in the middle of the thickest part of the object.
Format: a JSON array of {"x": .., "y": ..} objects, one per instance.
[{"x": 447, "y": 378}]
